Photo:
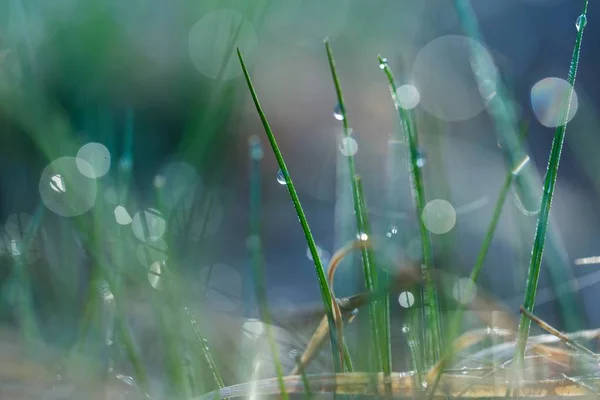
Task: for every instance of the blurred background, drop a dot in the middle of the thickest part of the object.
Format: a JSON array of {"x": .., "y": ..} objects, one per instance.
[{"x": 143, "y": 107}]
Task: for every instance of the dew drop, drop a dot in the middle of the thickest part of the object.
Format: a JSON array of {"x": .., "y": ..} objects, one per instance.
[
  {"x": 383, "y": 63},
  {"x": 424, "y": 385},
  {"x": 405, "y": 329},
  {"x": 392, "y": 232},
  {"x": 337, "y": 113},
  {"x": 355, "y": 312},
  {"x": 421, "y": 159},
  {"x": 362, "y": 236},
  {"x": 581, "y": 22},
  {"x": 281, "y": 178}
]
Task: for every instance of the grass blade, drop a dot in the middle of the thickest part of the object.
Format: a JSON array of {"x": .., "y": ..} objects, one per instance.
[
  {"x": 378, "y": 310},
  {"x": 433, "y": 335},
  {"x": 549, "y": 186},
  {"x": 503, "y": 114},
  {"x": 322, "y": 279}
]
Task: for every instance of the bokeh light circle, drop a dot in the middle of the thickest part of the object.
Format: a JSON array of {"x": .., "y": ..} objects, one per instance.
[
  {"x": 65, "y": 190},
  {"x": 348, "y": 146},
  {"x": 93, "y": 160},
  {"x": 210, "y": 44},
  {"x": 464, "y": 290},
  {"x": 443, "y": 72},
  {"x": 547, "y": 100},
  {"x": 439, "y": 216},
  {"x": 406, "y": 299},
  {"x": 408, "y": 96},
  {"x": 149, "y": 226},
  {"x": 122, "y": 215}
]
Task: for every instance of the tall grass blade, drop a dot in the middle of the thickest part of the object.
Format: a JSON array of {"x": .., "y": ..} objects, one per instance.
[
  {"x": 549, "y": 186},
  {"x": 378, "y": 310},
  {"x": 433, "y": 334},
  {"x": 503, "y": 114},
  {"x": 322, "y": 279}
]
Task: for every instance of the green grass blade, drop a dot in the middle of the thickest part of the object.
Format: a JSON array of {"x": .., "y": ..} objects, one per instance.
[
  {"x": 433, "y": 335},
  {"x": 322, "y": 279},
  {"x": 455, "y": 324},
  {"x": 549, "y": 186},
  {"x": 504, "y": 117},
  {"x": 378, "y": 310},
  {"x": 380, "y": 307},
  {"x": 258, "y": 262}
]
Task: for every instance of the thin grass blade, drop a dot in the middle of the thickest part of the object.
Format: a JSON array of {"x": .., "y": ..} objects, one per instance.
[
  {"x": 433, "y": 334},
  {"x": 549, "y": 186},
  {"x": 321, "y": 277},
  {"x": 378, "y": 310}
]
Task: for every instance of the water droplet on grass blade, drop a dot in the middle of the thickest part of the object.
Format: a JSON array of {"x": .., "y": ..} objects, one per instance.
[
  {"x": 383, "y": 63},
  {"x": 421, "y": 159},
  {"x": 581, "y": 22},
  {"x": 338, "y": 113},
  {"x": 362, "y": 236},
  {"x": 281, "y": 178}
]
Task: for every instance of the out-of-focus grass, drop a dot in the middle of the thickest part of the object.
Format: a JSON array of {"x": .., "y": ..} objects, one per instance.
[{"x": 49, "y": 126}]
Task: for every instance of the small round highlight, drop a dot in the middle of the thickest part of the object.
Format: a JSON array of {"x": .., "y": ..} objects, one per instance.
[
  {"x": 464, "y": 290},
  {"x": 549, "y": 101},
  {"x": 93, "y": 160},
  {"x": 210, "y": 39},
  {"x": 122, "y": 216},
  {"x": 408, "y": 96},
  {"x": 439, "y": 216},
  {"x": 406, "y": 299},
  {"x": 65, "y": 190},
  {"x": 348, "y": 146},
  {"x": 149, "y": 225}
]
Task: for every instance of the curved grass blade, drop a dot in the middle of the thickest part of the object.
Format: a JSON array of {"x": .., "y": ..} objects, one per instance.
[
  {"x": 549, "y": 186},
  {"x": 433, "y": 334},
  {"x": 322, "y": 279},
  {"x": 379, "y": 311}
]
